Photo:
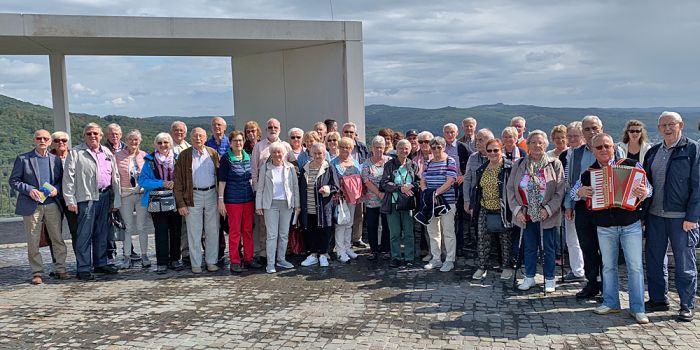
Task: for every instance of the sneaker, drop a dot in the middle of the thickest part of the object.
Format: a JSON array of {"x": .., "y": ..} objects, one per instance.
[
  {"x": 653, "y": 306},
  {"x": 212, "y": 268},
  {"x": 351, "y": 254},
  {"x": 161, "y": 269},
  {"x": 270, "y": 269},
  {"x": 145, "y": 263},
  {"x": 285, "y": 264},
  {"x": 310, "y": 260},
  {"x": 447, "y": 266},
  {"x": 479, "y": 274},
  {"x": 108, "y": 269},
  {"x": 507, "y": 274},
  {"x": 528, "y": 282},
  {"x": 604, "y": 310},
  {"x": 177, "y": 265},
  {"x": 323, "y": 261},
  {"x": 427, "y": 258},
  {"x": 360, "y": 244},
  {"x": 253, "y": 264},
  {"x": 640, "y": 317},
  {"x": 235, "y": 269},
  {"x": 550, "y": 286},
  {"x": 344, "y": 258},
  {"x": 571, "y": 278},
  {"x": 434, "y": 264},
  {"x": 196, "y": 269}
]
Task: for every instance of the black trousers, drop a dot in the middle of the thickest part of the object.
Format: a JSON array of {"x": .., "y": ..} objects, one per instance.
[
  {"x": 223, "y": 227},
  {"x": 167, "y": 226},
  {"x": 318, "y": 238},
  {"x": 588, "y": 239},
  {"x": 373, "y": 216}
]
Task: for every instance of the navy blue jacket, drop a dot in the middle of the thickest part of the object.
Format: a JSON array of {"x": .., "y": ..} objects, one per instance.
[
  {"x": 325, "y": 206},
  {"x": 682, "y": 185},
  {"x": 24, "y": 178},
  {"x": 237, "y": 177}
]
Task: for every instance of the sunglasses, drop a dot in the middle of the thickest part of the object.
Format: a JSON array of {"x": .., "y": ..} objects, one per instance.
[
  {"x": 332, "y": 140},
  {"x": 92, "y": 133},
  {"x": 436, "y": 147},
  {"x": 295, "y": 137},
  {"x": 603, "y": 146},
  {"x": 39, "y": 138},
  {"x": 272, "y": 128},
  {"x": 495, "y": 150},
  {"x": 423, "y": 142},
  {"x": 163, "y": 143},
  {"x": 631, "y": 131},
  {"x": 60, "y": 140},
  {"x": 348, "y": 132}
]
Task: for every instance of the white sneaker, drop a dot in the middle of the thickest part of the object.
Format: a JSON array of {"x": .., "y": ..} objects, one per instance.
[
  {"x": 196, "y": 269},
  {"x": 351, "y": 254},
  {"x": 550, "y": 286},
  {"x": 479, "y": 274},
  {"x": 447, "y": 266},
  {"x": 507, "y": 274},
  {"x": 270, "y": 269},
  {"x": 323, "y": 261},
  {"x": 427, "y": 258},
  {"x": 640, "y": 317},
  {"x": 344, "y": 258},
  {"x": 285, "y": 264},
  {"x": 604, "y": 310},
  {"x": 433, "y": 264},
  {"x": 212, "y": 267},
  {"x": 528, "y": 282},
  {"x": 310, "y": 260}
]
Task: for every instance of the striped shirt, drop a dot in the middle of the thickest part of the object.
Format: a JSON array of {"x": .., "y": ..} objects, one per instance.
[
  {"x": 436, "y": 174},
  {"x": 311, "y": 190}
]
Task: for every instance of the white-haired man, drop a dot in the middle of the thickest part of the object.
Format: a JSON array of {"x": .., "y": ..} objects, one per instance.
[
  {"x": 469, "y": 137},
  {"x": 178, "y": 131},
  {"x": 518, "y": 123}
]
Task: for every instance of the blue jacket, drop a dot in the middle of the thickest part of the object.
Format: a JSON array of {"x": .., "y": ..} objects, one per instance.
[
  {"x": 148, "y": 179},
  {"x": 24, "y": 178},
  {"x": 237, "y": 176},
  {"x": 682, "y": 184},
  {"x": 220, "y": 148}
]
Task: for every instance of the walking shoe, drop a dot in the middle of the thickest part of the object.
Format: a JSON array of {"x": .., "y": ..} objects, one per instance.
[
  {"x": 434, "y": 264},
  {"x": 395, "y": 263},
  {"x": 252, "y": 264},
  {"x": 360, "y": 244},
  {"x": 685, "y": 315},
  {"x": 351, "y": 254},
  {"x": 479, "y": 274},
  {"x": 270, "y": 269},
  {"x": 161, "y": 269},
  {"x": 604, "y": 310},
  {"x": 126, "y": 263},
  {"x": 177, "y": 265},
  {"x": 550, "y": 286},
  {"x": 212, "y": 267},
  {"x": 62, "y": 275},
  {"x": 344, "y": 258},
  {"x": 323, "y": 261},
  {"x": 145, "y": 262},
  {"x": 196, "y": 269},
  {"x": 447, "y": 266},
  {"x": 386, "y": 256},
  {"x": 108, "y": 269},
  {"x": 528, "y": 282},
  {"x": 85, "y": 276},
  {"x": 235, "y": 269},
  {"x": 507, "y": 274},
  {"x": 285, "y": 264},
  {"x": 427, "y": 258},
  {"x": 653, "y": 306},
  {"x": 571, "y": 278},
  {"x": 37, "y": 280},
  {"x": 310, "y": 260},
  {"x": 588, "y": 292},
  {"x": 640, "y": 317},
  {"x": 373, "y": 257}
]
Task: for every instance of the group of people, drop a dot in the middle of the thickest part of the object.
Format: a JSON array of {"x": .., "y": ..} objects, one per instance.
[{"x": 413, "y": 192}]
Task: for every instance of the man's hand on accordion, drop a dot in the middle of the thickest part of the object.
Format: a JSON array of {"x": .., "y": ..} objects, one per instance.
[
  {"x": 585, "y": 192},
  {"x": 641, "y": 191}
]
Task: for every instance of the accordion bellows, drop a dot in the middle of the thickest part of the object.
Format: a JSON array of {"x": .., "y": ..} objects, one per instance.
[{"x": 613, "y": 187}]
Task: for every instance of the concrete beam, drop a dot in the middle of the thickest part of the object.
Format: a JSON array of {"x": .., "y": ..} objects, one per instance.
[{"x": 59, "y": 93}]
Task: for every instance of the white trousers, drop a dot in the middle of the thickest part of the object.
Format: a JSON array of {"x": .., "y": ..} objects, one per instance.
[
  {"x": 134, "y": 216},
  {"x": 443, "y": 228},
  {"x": 204, "y": 215},
  {"x": 575, "y": 254},
  {"x": 343, "y": 234}
]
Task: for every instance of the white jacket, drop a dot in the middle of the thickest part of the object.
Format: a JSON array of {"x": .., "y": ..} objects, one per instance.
[
  {"x": 265, "y": 187},
  {"x": 642, "y": 150},
  {"x": 80, "y": 176}
]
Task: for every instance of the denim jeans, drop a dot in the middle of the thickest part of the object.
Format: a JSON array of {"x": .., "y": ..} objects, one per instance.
[
  {"x": 93, "y": 227},
  {"x": 531, "y": 241},
  {"x": 610, "y": 239}
]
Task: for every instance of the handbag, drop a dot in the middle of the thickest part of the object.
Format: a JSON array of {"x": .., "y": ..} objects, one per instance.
[
  {"x": 117, "y": 226},
  {"x": 343, "y": 213},
  {"x": 352, "y": 187},
  {"x": 161, "y": 201},
  {"x": 405, "y": 202},
  {"x": 296, "y": 241},
  {"x": 494, "y": 222}
]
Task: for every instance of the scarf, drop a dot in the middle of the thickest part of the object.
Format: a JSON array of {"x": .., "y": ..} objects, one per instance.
[
  {"x": 166, "y": 165},
  {"x": 534, "y": 202}
]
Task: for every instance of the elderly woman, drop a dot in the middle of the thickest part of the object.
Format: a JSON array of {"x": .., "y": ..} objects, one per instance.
[
  {"x": 277, "y": 197},
  {"x": 372, "y": 171},
  {"x": 350, "y": 175},
  {"x": 295, "y": 135},
  {"x": 309, "y": 139},
  {"x": 158, "y": 174},
  {"x": 558, "y": 135},
  {"x": 332, "y": 140},
  {"x": 489, "y": 199},
  {"x": 400, "y": 184},
  {"x": 635, "y": 142},
  {"x": 439, "y": 176},
  {"x": 252, "y": 135},
  {"x": 509, "y": 136},
  {"x": 388, "y": 136},
  {"x": 236, "y": 201},
  {"x": 318, "y": 182},
  {"x": 422, "y": 157},
  {"x": 535, "y": 192},
  {"x": 130, "y": 160}
]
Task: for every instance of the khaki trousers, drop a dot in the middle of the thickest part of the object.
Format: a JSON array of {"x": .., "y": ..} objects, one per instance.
[{"x": 51, "y": 215}]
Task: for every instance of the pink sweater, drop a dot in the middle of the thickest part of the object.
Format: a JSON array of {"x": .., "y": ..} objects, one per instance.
[{"x": 122, "y": 158}]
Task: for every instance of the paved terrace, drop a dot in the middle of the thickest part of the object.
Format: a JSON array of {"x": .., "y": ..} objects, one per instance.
[{"x": 361, "y": 305}]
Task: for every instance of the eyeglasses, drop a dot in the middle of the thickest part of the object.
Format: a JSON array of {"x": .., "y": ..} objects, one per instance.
[
  {"x": 494, "y": 150},
  {"x": 668, "y": 125},
  {"x": 40, "y": 138},
  {"x": 332, "y": 140},
  {"x": 273, "y": 127},
  {"x": 237, "y": 140},
  {"x": 423, "y": 142},
  {"x": 603, "y": 146},
  {"x": 160, "y": 143},
  {"x": 634, "y": 131},
  {"x": 436, "y": 147},
  {"x": 348, "y": 132},
  {"x": 592, "y": 128},
  {"x": 250, "y": 131},
  {"x": 60, "y": 140},
  {"x": 93, "y": 133},
  {"x": 295, "y": 137}
]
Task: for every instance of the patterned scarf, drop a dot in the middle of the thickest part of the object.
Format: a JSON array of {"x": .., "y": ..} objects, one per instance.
[
  {"x": 534, "y": 203},
  {"x": 166, "y": 165}
]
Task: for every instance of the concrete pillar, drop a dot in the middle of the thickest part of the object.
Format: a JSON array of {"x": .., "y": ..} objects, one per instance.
[
  {"x": 301, "y": 86},
  {"x": 59, "y": 93}
]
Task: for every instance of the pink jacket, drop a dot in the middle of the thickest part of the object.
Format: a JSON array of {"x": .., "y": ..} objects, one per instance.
[{"x": 122, "y": 158}]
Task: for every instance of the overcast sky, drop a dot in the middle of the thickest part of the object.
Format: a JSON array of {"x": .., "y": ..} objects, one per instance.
[{"x": 417, "y": 53}]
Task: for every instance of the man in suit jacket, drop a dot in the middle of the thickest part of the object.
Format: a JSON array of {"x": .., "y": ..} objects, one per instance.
[{"x": 31, "y": 171}]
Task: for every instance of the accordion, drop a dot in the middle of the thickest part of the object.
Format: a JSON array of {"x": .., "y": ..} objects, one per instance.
[{"x": 613, "y": 187}]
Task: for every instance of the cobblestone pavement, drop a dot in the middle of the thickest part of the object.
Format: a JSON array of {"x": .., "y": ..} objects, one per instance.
[{"x": 360, "y": 305}]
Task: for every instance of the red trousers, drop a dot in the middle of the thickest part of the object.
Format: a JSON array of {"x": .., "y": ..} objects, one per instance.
[{"x": 240, "y": 226}]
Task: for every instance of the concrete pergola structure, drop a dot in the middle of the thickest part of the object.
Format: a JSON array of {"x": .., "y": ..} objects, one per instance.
[{"x": 296, "y": 71}]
